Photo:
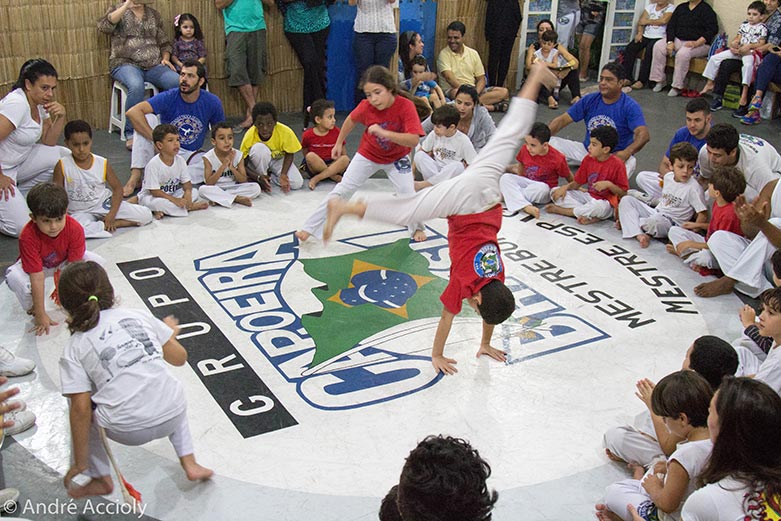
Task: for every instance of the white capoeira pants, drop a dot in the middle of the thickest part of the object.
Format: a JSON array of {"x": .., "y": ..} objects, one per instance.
[
  {"x": 584, "y": 205},
  {"x": 224, "y": 195},
  {"x": 743, "y": 260},
  {"x": 692, "y": 257},
  {"x": 637, "y": 217},
  {"x": 92, "y": 219},
  {"x": 574, "y": 151},
  {"x": 37, "y": 168},
  {"x": 648, "y": 182},
  {"x": 159, "y": 204},
  {"x": 435, "y": 171},
  {"x": 628, "y": 492},
  {"x": 144, "y": 150},
  {"x": 177, "y": 430},
  {"x": 19, "y": 281},
  {"x": 399, "y": 174},
  {"x": 261, "y": 162},
  {"x": 474, "y": 191},
  {"x": 714, "y": 62},
  {"x": 520, "y": 192},
  {"x": 632, "y": 445}
]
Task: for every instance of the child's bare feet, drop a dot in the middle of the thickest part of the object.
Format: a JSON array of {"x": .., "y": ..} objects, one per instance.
[
  {"x": 671, "y": 249},
  {"x": 618, "y": 225},
  {"x": 302, "y": 236},
  {"x": 336, "y": 208},
  {"x": 613, "y": 457},
  {"x": 202, "y": 205},
  {"x": 605, "y": 514},
  {"x": 532, "y": 210},
  {"x": 240, "y": 199},
  {"x": 194, "y": 471},
  {"x": 584, "y": 221},
  {"x": 158, "y": 215},
  {"x": 552, "y": 208},
  {"x": 636, "y": 469},
  {"x": 644, "y": 240},
  {"x": 708, "y": 87},
  {"x": 101, "y": 486},
  {"x": 419, "y": 236},
  {"x": 420, "y": 185},
  {"x": 133, "y": 183},
  {"x": 312, "y": 183}
]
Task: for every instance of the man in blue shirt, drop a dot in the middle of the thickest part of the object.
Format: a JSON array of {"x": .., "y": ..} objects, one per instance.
[
  {"x": 189, "y": 108},
  {"x": 610, "y": 106}
]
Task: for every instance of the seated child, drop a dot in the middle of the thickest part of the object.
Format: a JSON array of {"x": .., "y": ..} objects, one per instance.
[
  {"x": 562, "y": 64},
  {"x": 770, "y": 326},
  {"x": 426, "y": 90},
  {"x": 681, "y": 197},
  {"x": 268, "y": 148},
  {"x": 445, "y": 151},
  {"x": 751, "y": 339},
  {"x": 225, "y": 180},
  {"x": 113, "y": 372},
  {"x": 605, "y": 176},
  {"x": 751, "y": 35},
  {"x": 724, "y": 186},
  {"x": 167, "y": 188},
  {"x": 641, "y": 443},
  {"x": 317, "y": 144},
  {"x": 682, "y": 399},
  {"x": 537, "y": 171},
  {"x": 50, "y": 241},
  {"x": 84, "y": 175}
]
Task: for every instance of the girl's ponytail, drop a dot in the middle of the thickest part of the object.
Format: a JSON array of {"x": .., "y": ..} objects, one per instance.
[{"x": 84, "y": 292}]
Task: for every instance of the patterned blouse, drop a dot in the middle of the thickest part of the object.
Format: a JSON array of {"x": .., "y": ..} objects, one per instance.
[
  {"x": 136, "y": 42},
  {"x": 189, "y": 51}
]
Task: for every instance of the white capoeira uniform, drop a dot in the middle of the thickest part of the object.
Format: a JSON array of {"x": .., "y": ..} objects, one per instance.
[
  {"x": 449, "y": 153},
  {"x": 520, "y": 192},
  {"x": 144, "y": 151},
  {"x": 226, "y": 189},
  {"x": 474, "y": 191},
  {"x": 747, "y": 261},
  {"x": 263, "y": 162},
  {"x": 636, "y": 443},
  {"x": 574, "y": 151},
  {"x": 169, "y": 179},
  {"x": 89, "y": 199}
]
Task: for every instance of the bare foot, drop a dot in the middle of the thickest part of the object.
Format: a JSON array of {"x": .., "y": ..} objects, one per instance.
[
  {"x": 637, "y": 85},
  {"x": 671, "y": 249},
  {"x": 419, "y": 236},
  {"x": 336, "y": 208},
  {"x": 618, "y": 225},
  {"x": 613, "y": 457},
  {"x": 551, "y": 208},
  {"x": 605, "y": 514},
  {"x": 336, "y": 178},
  {"x": 636, "y": 469},
  {"x": 420, "y": 185},
  {"x": 587, "y": 220},
  {"x": 312, "y": 183},
  {"x": 194, "y": 471},
  {"x": 158, "y": 215},
  {"x": 714, "y": 288},
  {"x": 202, "y": 205},
  {"x": 95, "y": 487},
  {"x": 302, "y": 236},
  {"x": 242, "y": 200},
  {"x": 644, "y": 240},
  {"x": 131, "y": 186},
  {"x": 132, "y": 200},
  {"x": 532, "y": 210}
]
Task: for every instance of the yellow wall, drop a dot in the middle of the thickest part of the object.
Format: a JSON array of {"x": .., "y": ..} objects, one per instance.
[{"x": 731, "y": 14}]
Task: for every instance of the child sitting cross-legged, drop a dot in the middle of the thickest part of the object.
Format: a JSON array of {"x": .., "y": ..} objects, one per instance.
[
  {"x": 681, "y": 197},
  {"x": 225, "y": 180},
  {"x": 445, "y": 152},
  {"x": 94, "y": 192},
  {"x": 167, "y": 188},
  {"x": 725, "y": 185},
  {"x": 604, "y": 175},
  {"x": 682, "y": 399},
  {"x": 426, "y": 90},
  {"x": 318, "y": 142}
]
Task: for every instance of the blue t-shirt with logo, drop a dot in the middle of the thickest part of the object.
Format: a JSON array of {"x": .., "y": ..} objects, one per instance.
[
  {"x": 625, "y": 115},
  {"x": 192, "y": 119},
  {"x": 682, "y": 135}
]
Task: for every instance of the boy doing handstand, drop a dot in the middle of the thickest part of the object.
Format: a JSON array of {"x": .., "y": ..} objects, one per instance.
[{"x": 471, "y": 204}]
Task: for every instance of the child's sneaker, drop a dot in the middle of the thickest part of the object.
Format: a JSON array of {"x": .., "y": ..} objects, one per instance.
[
  {"x": 23, "y": 420},
  {"x": 11, "y": 365},
  {"x": 741, "y": 111},
  {"x": 642, "y": 197},
  {"x": 716, "y": 104},
  {"x": 752, "y": 118}
]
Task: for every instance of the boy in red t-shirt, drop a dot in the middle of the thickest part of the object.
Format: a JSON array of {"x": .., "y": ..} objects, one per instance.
[
  {"x": 471, "y": 203},
  {"x": 317, "y": 144},
  {"x": 538, "y": 169},
  {"x": 605, "y": 176},
  {"x": 49, "y": 241},
  {"x": 724, "y": 186}
]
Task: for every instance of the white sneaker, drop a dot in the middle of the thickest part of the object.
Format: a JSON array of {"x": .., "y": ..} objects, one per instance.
[
  {"x": 673, "y": 92},
  {"x": 23, "y": 420},
  {"x": 11, "y": 365},
  {"x": 659, "y": 86},
  {"x": 8, "y": 497},
  {"x": 640, "y": 196}
]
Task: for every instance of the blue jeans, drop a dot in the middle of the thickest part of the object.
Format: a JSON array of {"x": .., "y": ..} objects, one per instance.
[
  {"x": 134, "y": 77},
  {"x": 371, "y": 49},
  {"x": 769, "y": 70}
]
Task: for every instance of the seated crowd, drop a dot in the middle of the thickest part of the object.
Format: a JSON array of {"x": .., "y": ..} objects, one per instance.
[{"x": 706, "y": 446}]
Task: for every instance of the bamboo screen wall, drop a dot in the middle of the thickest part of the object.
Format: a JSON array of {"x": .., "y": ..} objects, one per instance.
[{"x": 65, "y": 33}]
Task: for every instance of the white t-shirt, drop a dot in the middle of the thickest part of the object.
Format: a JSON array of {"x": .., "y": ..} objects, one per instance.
[
  {"x": 655, "y": 32},
  {"x": 759, "y": 162},
  {"x": 374, "y": 16},
  {"x": 120, "y": 361},
  {"x": 449, "y": 149},
  {"x": 159, "y": 176},
  {"x": 692, "y": 456},
  {"x": 86, "y": 188},
  {"x": 227, "y": 178},
  {"x": 770, "y": 370},
  {"x": 680, "y": 200},
  {"x": 15, "y": 148},
  {"x": 722, "y": 501},
  {"x": 554, "y": 56}
]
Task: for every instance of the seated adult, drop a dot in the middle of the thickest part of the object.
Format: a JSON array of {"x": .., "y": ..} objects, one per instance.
[
  {"x": 755, "y": 157},
  {"x": 461, "y": 65},
  {"x": 741, "y": 479},
  {"x": 568, "y": 75},
  {"x": 411, "y": 45},
  {"x": 475, "y": 120},
  {"x": 690, "y": 31},
  {"x": 651, "y": 27},
  {"x": 140, "y": 51},
  {"x": 610, "y": 106},
  {"x": 769, "y": 69},
  {"x": 698, "y": 125},
  {"x": 189, "y": 108},
  {"x": 28, "y": 114}
]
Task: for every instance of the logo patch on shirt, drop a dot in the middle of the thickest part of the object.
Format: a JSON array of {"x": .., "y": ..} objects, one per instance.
[{"x": 487, "y": 262}]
